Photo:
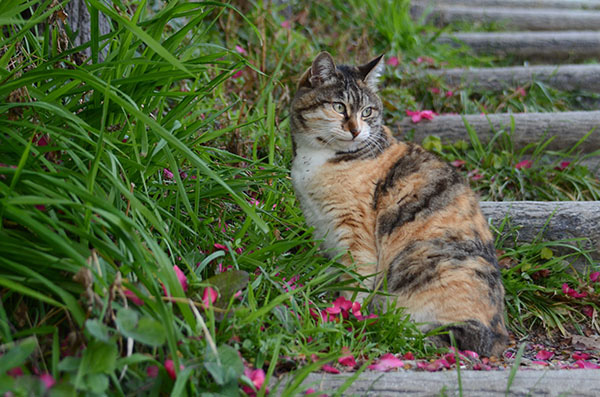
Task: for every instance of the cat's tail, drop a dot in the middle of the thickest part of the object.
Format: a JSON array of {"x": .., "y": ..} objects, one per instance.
[{"x": 471, "y": 335}]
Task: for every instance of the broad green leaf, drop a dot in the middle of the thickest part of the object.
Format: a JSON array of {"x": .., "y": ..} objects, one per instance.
[
  {"x": 98, "y": 330},
  {"x": 99, "y": 358},
  {"x": 17, "y": 355},
  {"x": 228, "y": 368},
  {"x": 96, "y": 383},
  {"x": 145, "y": 330},
  {"x": 546, "y": 253},
  {"x": 228, "y": 283}
]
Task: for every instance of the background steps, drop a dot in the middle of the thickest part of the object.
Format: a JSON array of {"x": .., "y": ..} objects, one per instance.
[
  {"x": 560, "y": 4},
  {"x": 567, "y": 128},
  {"x": 515, "y": 18},
  {"x": 562, "y": 77},
  {"x": 554, "y": 46}
]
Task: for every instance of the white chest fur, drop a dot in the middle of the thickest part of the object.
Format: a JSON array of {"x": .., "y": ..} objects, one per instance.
[{"x": 305, "y": 169}]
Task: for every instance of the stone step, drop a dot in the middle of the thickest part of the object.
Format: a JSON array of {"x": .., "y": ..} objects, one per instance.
[
  {"x": 570, "y": 4},
  {"x": 519, "y": 18},
  {"x": 551, "y": 46},
  {"x": 567, "y": 128},
  {"x": 562, "y": 77},
  {"x": 582, "y": 383},
  {"x": 552, "y": 220}
]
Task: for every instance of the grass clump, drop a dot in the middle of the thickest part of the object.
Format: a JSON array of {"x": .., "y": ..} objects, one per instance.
[{"x": 150, "y": 242}]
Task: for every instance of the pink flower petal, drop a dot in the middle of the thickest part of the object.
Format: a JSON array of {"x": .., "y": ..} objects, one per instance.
[
  {"x": 356, "y": 309},
  {"x": 286, "y": 24},
  {"x": 408, "y": 356},
  {"x": 47, "y": 380},
  {"x": 393, "y": 61},
  {"x": 588, "y": 311},
  {"x": 181, "y": 277},
  {"x": 333, "y": 310},
  {"x": 152, "y": 371},
  {"x": 221, "y": 247},
  {"x": 386, "y": 362},
  {"x": 170, "y": 368},
  {"x": 594, "y": 276},
  {"x": 347, "y": 359},
  {"x": 562, "y": 166},
  {"x": 544, "y": 355},
  {"x": 343, "y": 303},
  {"x": 580, "y": 356},
  {"x": 458, "y": 163},
  {"x": 428, "y": 114},
  {"x": 524, "y": 164},
  {"x": 15, "y": 372},
  {"x": 167, "y": 174},
  {"x": 434, "y": 90},
  {"x": 43, "y": 141},
  {"x": 572, "y": 293},
  {"x": 542, "y": 363},
  {"x": 133, "y": 297},
  {"x": 329, "y": 369},
  {"x": 470, "y": 354},
  {"x": 240, "y": 50},
  {"x": 257, "y": 376},
  {"x": 449, "y": 94},
  {"x": 209, "y": 296},
  {"x": 586, "y": 364}
]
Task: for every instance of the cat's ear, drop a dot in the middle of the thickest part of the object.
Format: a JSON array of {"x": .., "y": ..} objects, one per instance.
[
  {"x": 371, "y": 71},
  {"x": 322, "y": 69}
]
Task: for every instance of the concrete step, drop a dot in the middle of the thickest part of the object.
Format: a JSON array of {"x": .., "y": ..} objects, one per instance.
[
  {"x": 581, "y": 382},
  {"x": 551, "y": 46}
]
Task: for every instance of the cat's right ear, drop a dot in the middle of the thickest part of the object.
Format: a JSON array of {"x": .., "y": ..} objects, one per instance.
[{"x": 322, "y": 69}]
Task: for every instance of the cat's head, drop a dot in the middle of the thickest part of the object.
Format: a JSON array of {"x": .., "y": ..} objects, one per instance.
[{"x": 337, "y": 107}]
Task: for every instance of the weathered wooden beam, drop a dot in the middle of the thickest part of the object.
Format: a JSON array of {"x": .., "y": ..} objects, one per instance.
[
  {"x": 570, "y": 4},
  {"x": 583, "y": 383},
  {"x": 520, "y": 18},
  {"x": 562, "y": 77},
  {"x": 567, "y": 128},
  {"x": 562, "y": 4},
  {"x": 532, "y": 46},
  {"x": 552, "y": 220}
]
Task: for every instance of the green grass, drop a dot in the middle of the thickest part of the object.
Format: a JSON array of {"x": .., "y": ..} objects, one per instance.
[{"x": 174, "y": 147}]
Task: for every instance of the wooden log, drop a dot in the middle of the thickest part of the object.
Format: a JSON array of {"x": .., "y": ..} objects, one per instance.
[
  {"x": 552, "y": 220},
  {"x": 583, "y": 383},
  {"x": 561, "y": 4},
  {"x": 78, "y": 17},
  {"x": 567, "y": 128},
  {"x": 563, "y": 77},
  {"x": 531, "y": 46},
  {"x": 524, "y": 19}
]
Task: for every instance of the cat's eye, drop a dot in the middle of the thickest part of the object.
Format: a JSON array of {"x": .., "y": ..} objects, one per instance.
[
  {"x": 339, "y": 107},
  {"x": 367, "y": 112}
]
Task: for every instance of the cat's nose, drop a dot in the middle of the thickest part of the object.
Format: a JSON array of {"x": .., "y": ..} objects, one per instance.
[{"x": 352, "y": 127}]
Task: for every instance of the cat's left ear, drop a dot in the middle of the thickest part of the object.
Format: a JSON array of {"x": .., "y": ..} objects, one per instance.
[{"x": 371, "y": 71}]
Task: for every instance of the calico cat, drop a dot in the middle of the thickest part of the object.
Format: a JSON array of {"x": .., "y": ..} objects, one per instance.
[{"x": 394, "y": 209}]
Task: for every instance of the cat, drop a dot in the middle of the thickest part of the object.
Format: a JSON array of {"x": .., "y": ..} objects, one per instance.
[{"x": 398, "y": 212}]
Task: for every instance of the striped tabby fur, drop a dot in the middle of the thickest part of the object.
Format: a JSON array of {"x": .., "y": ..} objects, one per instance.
[{"x": 396, "y": 210}]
